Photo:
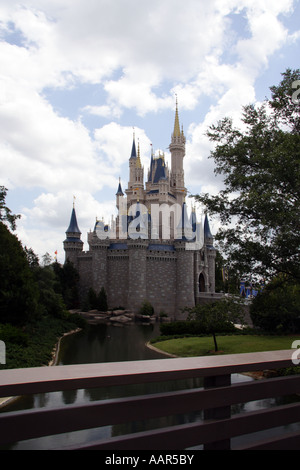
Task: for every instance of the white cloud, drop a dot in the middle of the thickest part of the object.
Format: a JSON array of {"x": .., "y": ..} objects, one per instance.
[
  {"x": 115, "y": 141},
  {"x": 139, "y": 54},
  {"x": 43, "y": 226}
]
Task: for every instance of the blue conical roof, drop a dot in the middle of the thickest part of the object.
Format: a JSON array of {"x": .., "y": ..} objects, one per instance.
[
  {"x": 151, "y": 168},
  {"x": 73, "y": 227},
  {"x": 119, "y": 192},
  {"x": 133, "y": 150},
  {"x": 160, "y": 172},
  {"x": 207, "y": 232},
  {"x": 193, "y": 220}
]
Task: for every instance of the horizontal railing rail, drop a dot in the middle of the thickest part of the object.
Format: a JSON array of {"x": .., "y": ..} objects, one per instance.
[{"x": 216, "y": 430}]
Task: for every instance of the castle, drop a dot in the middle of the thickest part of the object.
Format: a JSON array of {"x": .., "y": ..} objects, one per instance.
[{"x": 153, "y": 250}]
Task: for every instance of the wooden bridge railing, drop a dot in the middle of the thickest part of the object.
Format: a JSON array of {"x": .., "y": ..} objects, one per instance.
[{"x": 215, "y": 431}]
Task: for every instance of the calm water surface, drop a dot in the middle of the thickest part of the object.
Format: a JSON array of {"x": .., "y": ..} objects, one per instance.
[
  {"x": 108, "y": 343},
  {"x": 96, "y": 344}
]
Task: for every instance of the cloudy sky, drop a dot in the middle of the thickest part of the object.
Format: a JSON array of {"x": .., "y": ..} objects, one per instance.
[{"x": 77, "y": 75}]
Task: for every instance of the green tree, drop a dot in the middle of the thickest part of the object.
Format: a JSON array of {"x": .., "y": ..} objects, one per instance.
[
  {"x": 259, "y": 208},
  {"x": 146, "y": 308},
  {"x": 47, "y": 260},
  {"x": 92, "y": 299},
  {"x": 226, "y": 278},
  {"x": 5, "y": 213},
  {"x": 277, "y": 308},
  {"x": 50, "y": 302},
  {"x": 217, "y": 317},
  {"x": 32, "y": 258},
  {"x": 67, "y": 286},
  {"x": 19, "y": 296}
]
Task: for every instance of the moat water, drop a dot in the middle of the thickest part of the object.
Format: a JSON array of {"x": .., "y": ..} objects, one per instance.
[{"x": 108, "y": 343}]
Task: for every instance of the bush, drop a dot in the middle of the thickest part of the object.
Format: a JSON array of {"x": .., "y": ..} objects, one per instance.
[
  {"x": 94, "y": 301},
  {"x": 193, "y": 328},
  {"x": 14, "y": 335},
  {"x": 146, "y": 309},
  {"x": 277, "y": 308},
  {"x": 19, "y": 293}
]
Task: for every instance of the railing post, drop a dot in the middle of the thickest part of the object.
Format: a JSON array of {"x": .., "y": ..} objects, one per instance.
[{"x": 217, "y": 413}]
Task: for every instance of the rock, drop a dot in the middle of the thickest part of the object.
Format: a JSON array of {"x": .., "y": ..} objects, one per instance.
[
  {"x": 117, "y": 313},
  {"x": 120, "y": 319},
  {"x": 129, "y": 315},
  {"x": 143, "y": 318}
]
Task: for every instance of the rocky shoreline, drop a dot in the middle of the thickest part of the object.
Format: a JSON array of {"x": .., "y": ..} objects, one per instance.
[{"x": 118, "y": 317}]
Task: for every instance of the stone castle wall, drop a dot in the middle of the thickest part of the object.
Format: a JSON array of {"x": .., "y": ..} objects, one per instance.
[
  {"x": 161, "y": 283},
  {"x": 135, "y": 274},
  {"x": 117, "y": 280}
]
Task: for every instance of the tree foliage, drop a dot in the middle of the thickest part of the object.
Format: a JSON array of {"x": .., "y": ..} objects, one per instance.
[
  {"x": 19, "y": 296},
  {"x": 5, "y": 213},
  {"x": 216, "y": 317},
  {"x": 96, "y": 301},
  {"x": 259, "y": 208},
  {"x": 146, "y": 308},
  {"x": 29, "y": 291},
  {"x": 277, "y": 308},
  {"x": 67, "y": 285}
]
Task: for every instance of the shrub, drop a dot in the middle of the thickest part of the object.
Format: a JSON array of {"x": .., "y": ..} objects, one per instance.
[
  {"x": 192, "y": 327},
  {"x": 277, "y": 308},
  {"x": 14, "y": 335},
  {"x": 146, "y": 308}
]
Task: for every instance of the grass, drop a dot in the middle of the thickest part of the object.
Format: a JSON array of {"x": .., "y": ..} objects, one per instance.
[{"x": 203, "y": 346}]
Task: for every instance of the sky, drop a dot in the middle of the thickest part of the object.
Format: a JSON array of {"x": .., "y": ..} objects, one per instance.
[{"x": 78, "y": 77}]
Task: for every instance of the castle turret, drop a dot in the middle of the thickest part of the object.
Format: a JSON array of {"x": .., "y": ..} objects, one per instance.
[
  {"x": 136, "y": 175},
  {"x": 138, "y": 222},
  {"x": 211, "y": 255},
  {"x": 73, "y": 244},
  {"x": 137, "y": 273},
  {"x": 177, "y": 149},
  {"x": 184, "y": 228},
  {"x": 121, "y": 220},
  {"x": 208, "y": 238},
  {"x": 119, "y": 192},
  {"x": 184, "y": 278}
]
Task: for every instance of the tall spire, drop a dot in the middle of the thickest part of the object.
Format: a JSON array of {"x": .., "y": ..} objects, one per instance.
[
  {"x": 207, "y": 233},
  {"x": 177, "y": 149},
  {"x": 119, "y": 192},
  {"x": 73, "y": 226},
  {"x": 73, "y": 244},
  {"x": 133, "y": 150},
  {"x": 138, "y": 161},
  {"x": 176, "y": 132}
]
